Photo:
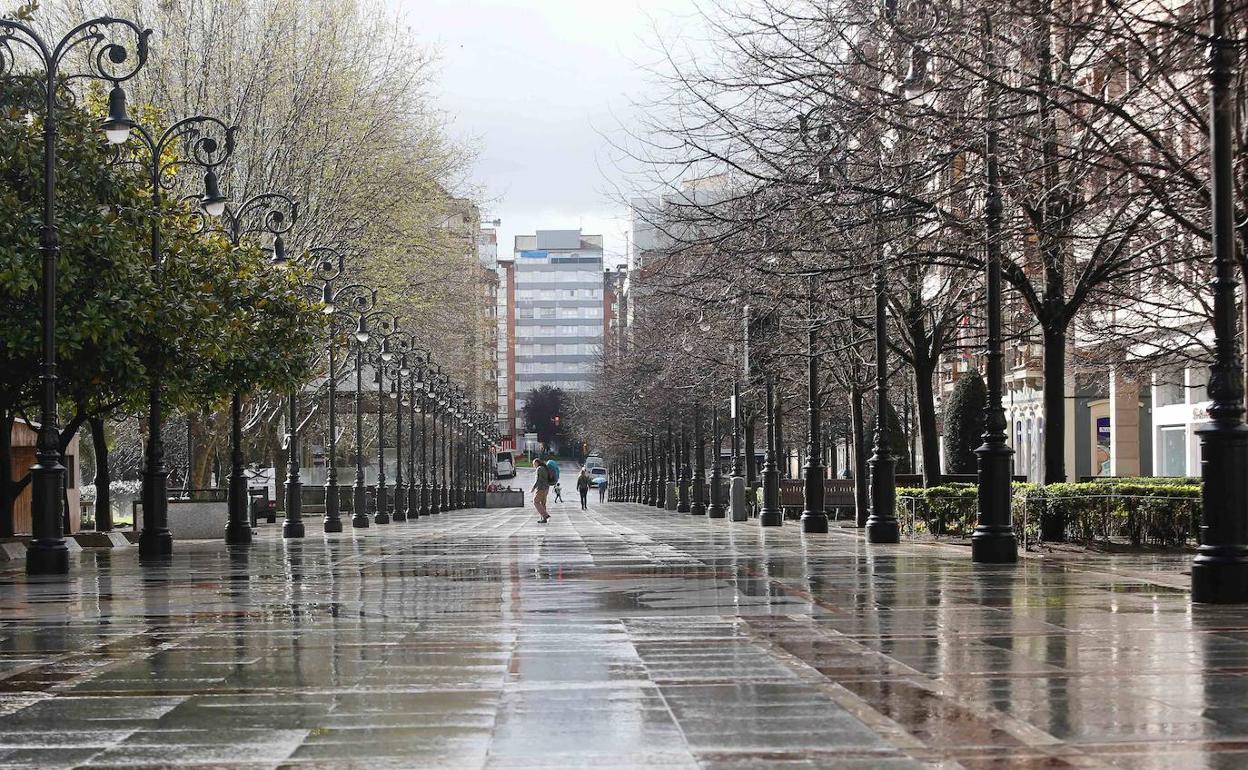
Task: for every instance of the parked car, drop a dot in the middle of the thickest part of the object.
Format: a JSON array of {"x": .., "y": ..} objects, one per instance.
[
  {"x": 505, "y": 465},
  {"x": 598, "y": 476}
]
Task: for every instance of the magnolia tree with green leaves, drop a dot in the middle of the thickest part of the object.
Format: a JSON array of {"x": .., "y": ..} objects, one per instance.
[{"x": 213, "y": 319}]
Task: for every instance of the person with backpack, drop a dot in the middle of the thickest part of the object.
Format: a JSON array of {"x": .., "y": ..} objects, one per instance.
[
  {"x": 583, "y": 483},
  {"x": 552, "y": 467},
  {"x": 541, "y": 487}
]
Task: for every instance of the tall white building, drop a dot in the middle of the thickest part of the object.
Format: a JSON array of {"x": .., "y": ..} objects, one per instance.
[{"x": 552, "y": 321}]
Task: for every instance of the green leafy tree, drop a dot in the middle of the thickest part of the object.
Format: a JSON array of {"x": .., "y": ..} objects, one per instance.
[
  {"x": 102, "y": 279},
  {"x": 964, "y": 424},
  {"x": 213, "y": 320},
  {"x": 545, "y": 411}
]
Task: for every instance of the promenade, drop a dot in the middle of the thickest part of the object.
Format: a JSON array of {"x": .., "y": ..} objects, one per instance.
[{"x": 624, "y": 637}]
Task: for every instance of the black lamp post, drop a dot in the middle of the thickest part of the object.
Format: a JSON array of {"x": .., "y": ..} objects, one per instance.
[
  {"x": 737, "y": 498},
  {"x": 814, "y": 517},
  {"x": 993, "y": 541},
  {"x": 376, "y": 325},
  {"x": 47, "y": 553},
  {"x": 771, "y": 515},
  {"x": 328, "y": 265},
  {"x": 362, "y": 301},
  {"x": 414, "y": 362},
  {"x": 424, "y": 387},
  {"x": 206, "y": 143},
  {"x": 682, "y": 486},
  {"x": 698, "y": 508},
  {"x": 437, "y": 383},
  {"x": 656, "y": 471},
  {"x": 1220, "y": 569},
  {"x": 384, "y": 356},
  {"x": 402, "y": 369},
  {"x": 882, "y": 524},
  {"x": 716, "y": 509},
  {"x": 670, "y": 494},
  {"x": 270, "y": 214},
  {"x": 416, "y": 394}
]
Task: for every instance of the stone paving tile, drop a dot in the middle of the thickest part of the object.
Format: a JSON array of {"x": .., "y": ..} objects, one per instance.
[{"x": 624, "y": 637}]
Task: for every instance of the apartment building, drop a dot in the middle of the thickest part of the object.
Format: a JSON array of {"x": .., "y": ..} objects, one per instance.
[{"x": 553, "y": 311}]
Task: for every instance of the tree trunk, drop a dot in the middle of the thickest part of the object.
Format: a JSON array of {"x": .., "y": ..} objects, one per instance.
[
  {"x": 858, "y": 436},
  {"x": 929, "y": 438},
  {"x": 1054, "y": 406},
  {"x": 1053, "y": 525},
  {"x": 751, "y": 465},
  {"x": 103, "y": 495},
  {"x": 782, "y": 454}
]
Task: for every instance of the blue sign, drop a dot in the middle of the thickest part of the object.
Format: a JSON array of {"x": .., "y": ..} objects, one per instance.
[{"x": 535, "y": 253}]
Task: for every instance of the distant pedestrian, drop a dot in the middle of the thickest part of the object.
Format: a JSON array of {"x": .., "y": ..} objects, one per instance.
[
  {"x": 552, "y": 468},
  {"x": 602, "y": 489},
  {"x": 541, "y": 487},
  {"x": 583, "y": 482}
]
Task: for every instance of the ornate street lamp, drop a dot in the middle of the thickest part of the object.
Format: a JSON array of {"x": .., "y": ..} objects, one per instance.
[
  {"x": 206, "y": 143},
  {"x": 814, "y": 517},
  {"x": 772, "y": 514},
  {"x": 699, "y": 482},
  {"x": 381, "y": 514},
  {"x": 882, "y": 524},
  {"x": 327, "y": 265},
  {"x": 1220, "y": 569},
  {"x": 993, "y": 541},
  {"x": 437, "y": 383},
  {"x": 370, "y": 327},
  {"x": 415, "y": 361},
  {"x": 269, "y": 214},
  {"x": 422, "y": 388},
  {"x": 737, "y": 485},
  {"x": 47, "y": 553},
  {"x": 716, "y": 509},
  {"x": 361, "y": 301}
]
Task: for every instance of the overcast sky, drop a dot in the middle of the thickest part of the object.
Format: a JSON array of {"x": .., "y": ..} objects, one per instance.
[{"x": 537, "y": 82}]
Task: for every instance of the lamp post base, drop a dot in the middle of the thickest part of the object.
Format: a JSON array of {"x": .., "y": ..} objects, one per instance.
[
  {"x": 994, "y": 545},
  {"x": 815, "y": 522},
  {"x": 237, "y": 533},
  {"x": 293, "y": 528},
  {"x": 883, "y": 531},
  {"x": 47, "y": 557},
  {"x": 670, "y": 496},
  {"x": 716, "y": 509},
  {"x": 1220, "y": 575},
  {"x": 155, "y": 543}
]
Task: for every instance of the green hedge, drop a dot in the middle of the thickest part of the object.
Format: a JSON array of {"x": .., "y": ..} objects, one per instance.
[{"x": 1161, "y": 511}]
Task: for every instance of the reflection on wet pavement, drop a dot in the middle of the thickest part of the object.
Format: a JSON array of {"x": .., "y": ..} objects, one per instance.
[{"x": 624, "y": 637}]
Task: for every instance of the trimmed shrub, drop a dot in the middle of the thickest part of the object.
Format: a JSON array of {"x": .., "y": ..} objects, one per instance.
[
  {"x": 964, "y": 424},
  {"x": 1163, "y": 512}
]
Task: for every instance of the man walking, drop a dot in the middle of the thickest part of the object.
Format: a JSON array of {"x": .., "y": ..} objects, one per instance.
[{"x": 541, "y": 487}]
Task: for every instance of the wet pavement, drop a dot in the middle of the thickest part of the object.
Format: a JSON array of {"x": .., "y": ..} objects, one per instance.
[{"x": 624, "y": 637}]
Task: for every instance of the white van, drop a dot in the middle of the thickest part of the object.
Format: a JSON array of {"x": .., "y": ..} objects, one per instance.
[{"x": 505, "y": 465}]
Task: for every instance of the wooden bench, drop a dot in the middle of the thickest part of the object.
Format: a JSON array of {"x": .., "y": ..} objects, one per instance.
[{"x": 837, "y": 495}]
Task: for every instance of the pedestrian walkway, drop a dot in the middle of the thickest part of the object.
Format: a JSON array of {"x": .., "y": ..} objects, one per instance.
[{"x": 624, "y": 637}]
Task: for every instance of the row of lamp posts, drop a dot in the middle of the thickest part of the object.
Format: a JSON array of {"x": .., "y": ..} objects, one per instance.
[
  {"x": 115, "y": 51},
  {"x": 649, "y": 472}
]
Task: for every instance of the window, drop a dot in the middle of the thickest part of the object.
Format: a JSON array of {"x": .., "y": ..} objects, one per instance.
[
  {"x": 1172, "y": 452},
  {"x": 1169, "y": 387}
]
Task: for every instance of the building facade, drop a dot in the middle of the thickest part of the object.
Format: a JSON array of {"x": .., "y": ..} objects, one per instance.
[{"x": 552, "y": 319}]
